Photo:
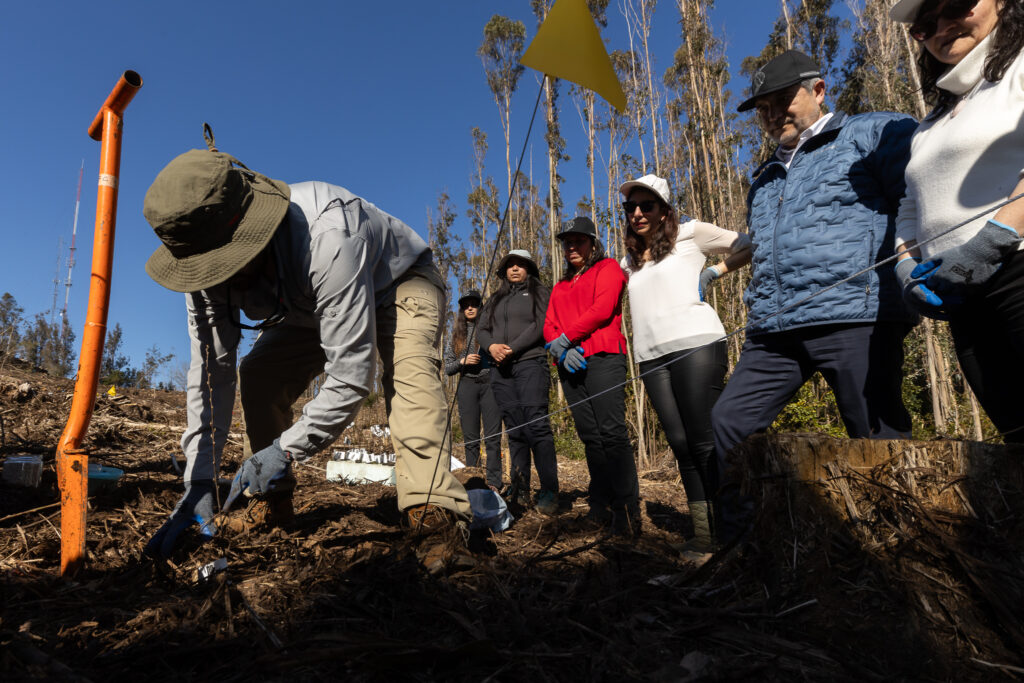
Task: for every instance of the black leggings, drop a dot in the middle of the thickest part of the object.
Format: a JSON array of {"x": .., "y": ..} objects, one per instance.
[
  {"x": 683, "y": 393},
  {"x": 988, "y": 332}
]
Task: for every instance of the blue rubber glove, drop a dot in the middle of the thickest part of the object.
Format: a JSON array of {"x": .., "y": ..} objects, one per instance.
[
  {"x": 574, "y": 360},
  {"x": 707, "y": 276},
  {"x": 963, "y": 269},
  {"x": 916, "y": 295},
  {"x": 256, "y": 474},
  {"x": 198, "y": 505},
  {"x": 558, "y": 347}
]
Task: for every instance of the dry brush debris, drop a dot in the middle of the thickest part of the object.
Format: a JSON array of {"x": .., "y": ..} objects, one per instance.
[{"x": 878, "y": 560}]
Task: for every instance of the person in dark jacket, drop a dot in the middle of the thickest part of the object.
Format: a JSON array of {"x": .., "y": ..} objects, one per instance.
[
  {"x": 822, "y": 208},
  {"x": 511, "y": 331},
  {"x": 463, "y": 357},
  {"x": 583, "y": 328}
]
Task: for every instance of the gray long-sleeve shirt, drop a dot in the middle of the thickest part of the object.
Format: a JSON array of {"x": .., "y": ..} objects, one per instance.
[
  {"x": 452, "y": 366},
  {"x": 339, "y": 257}
]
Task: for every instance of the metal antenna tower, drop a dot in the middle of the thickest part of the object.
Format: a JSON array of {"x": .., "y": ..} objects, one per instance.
[
  {"x": 71, "y": 254},
  {"x": 56, "y": 278}
]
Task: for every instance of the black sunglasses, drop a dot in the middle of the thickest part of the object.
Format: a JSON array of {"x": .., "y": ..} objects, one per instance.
[
  {"x": 646, "y": 206},
  {"x": 927, "y": 23}
]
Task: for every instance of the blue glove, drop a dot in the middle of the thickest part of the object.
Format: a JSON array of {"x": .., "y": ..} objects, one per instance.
[
  {"x": 707, "y": 276},
  {"x": 558, "y": 348},
  {"x": 964, "y": 269},
  {"x": 256, "y": 474},
  {"x": 574, "y": 360},
  {"x": 198, "y": 505},
  {"x": 916, "y": 295}
]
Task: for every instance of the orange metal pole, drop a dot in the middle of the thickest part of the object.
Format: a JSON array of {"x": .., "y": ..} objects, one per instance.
[{"x": 72, "y": 459}]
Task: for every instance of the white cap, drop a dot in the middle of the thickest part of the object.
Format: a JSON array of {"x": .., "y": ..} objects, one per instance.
[
  {"x": 658, "y": 186},
  {"x": 905, "y": 11}
]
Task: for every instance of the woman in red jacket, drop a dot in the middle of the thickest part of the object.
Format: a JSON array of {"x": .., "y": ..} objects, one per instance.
[{"x": 583, "y": 330}]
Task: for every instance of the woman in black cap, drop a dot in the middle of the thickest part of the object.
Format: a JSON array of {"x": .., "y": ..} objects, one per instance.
[
  {"x": 474, "y": 391},
  {"x": 583, "y": 328},
  {"x": 510, "y": 331},
  {"x": 677, "y": 337}
]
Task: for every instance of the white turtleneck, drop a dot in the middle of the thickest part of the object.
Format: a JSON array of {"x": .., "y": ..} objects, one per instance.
[{"x": 966, "y": 160}]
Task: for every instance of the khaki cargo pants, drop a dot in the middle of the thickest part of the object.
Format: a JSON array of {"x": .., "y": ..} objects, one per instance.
[{"x": 285, "y": 359}]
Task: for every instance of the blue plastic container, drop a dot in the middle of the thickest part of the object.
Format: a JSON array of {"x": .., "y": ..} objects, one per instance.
[{"x": 103, "y": 479}]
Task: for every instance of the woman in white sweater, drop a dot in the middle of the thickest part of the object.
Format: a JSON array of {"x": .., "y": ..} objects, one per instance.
[
  {"x": 678, "y": 339},
  {"x": 967, "y": 156}
]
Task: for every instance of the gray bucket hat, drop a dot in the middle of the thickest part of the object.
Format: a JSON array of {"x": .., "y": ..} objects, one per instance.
[
  {"x": 213, "y": 216},
  {"x": 523, "y": 254}
]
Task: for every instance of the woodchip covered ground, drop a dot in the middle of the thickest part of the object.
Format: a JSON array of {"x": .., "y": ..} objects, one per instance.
[{"x": 907, "y": 569}]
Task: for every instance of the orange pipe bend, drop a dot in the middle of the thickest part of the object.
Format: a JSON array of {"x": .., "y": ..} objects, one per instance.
[{"x": 72, "y": 460}]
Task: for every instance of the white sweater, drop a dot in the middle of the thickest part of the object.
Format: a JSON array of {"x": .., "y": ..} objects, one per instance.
[
  {"x": 967, "y": 160},
  {"x": 664, "y": 301}
]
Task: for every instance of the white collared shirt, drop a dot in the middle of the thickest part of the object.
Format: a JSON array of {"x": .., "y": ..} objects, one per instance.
[{"x": 786, "y": 155}]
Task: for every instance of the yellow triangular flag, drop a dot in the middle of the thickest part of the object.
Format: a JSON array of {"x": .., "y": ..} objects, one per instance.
[
  {"x": 568, "y": 45},
  {"x": 112, "y": 391}
]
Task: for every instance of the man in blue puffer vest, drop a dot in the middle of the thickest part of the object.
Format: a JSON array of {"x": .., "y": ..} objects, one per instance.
[{"x": 822, "y": 208}]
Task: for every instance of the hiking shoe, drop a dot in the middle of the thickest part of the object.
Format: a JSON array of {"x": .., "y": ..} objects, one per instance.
[
  {"x": 428, "y": 519},
  {"x": 597, "y": 519},
  {"x": 547, "y": 503},
  {"x": 627, "y": 522}
]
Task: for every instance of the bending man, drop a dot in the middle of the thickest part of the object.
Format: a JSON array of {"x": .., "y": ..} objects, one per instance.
[{"x": 335, "y": 280}]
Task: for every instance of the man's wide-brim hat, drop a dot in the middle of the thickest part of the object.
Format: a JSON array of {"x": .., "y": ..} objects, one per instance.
[
  {"x": 213, "y": 216},
  {"x": 788, "y": 69},
  {"x": 531, "y": 265}
]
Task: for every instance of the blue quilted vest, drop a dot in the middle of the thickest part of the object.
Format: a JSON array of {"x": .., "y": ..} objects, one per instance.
[{"x": 829, "y": 215}]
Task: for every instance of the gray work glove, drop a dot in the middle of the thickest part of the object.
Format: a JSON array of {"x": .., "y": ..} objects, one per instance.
[
  {"x": 558, "y": 347},
  {"x": 916, "y": 295},
  {"x": 962, "y": 270},
  {"x": 707, "y": 276},
  {"x": 574, "y": 360},
  {"x": 256, "y": 473},
  {"x": 198, "y": 505}
]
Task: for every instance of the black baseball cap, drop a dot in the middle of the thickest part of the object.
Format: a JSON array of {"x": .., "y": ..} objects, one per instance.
[
  {"x": 787, "y": 69},
  {"x": 581, "y": 225},
  {"x": 470, "y": 294}
]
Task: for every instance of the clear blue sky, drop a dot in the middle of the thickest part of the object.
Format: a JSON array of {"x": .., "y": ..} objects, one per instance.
[{"x": 378, "y": 97}]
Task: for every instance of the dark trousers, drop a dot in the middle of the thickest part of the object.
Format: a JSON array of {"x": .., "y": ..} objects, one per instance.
[
  {"x": 521, "y": 390},
  {"x": 601, "y": 425},
  {"x": 476, "y": 401},
  {"x": 863, "y": 364},
  {"x": 988, "y": 333},
  {"x": 683, "y": 387}
]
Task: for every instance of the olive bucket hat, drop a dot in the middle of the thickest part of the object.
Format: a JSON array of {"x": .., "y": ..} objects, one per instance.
[{"x": 213, "y": 216}]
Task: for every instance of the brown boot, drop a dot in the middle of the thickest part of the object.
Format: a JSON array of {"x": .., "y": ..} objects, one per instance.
[{"x": 428, "y": 519}]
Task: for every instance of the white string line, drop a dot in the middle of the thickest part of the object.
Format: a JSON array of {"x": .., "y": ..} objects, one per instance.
[{"x": 755, "y": 322}]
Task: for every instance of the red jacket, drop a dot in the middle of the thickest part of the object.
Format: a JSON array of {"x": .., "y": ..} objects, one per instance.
[{"x": 588, "y": 309}]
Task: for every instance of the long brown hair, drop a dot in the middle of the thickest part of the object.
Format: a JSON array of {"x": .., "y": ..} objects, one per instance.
[
  {"x": 461, "y": 331},
  {"x": 1006, "y": 45},
  {"x": 662, "y": 241}
]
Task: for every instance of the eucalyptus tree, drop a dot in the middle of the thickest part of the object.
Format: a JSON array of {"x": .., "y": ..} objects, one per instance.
[
  {"x": 502, "y": 46},
  {"x": 483, "y": 211}
]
